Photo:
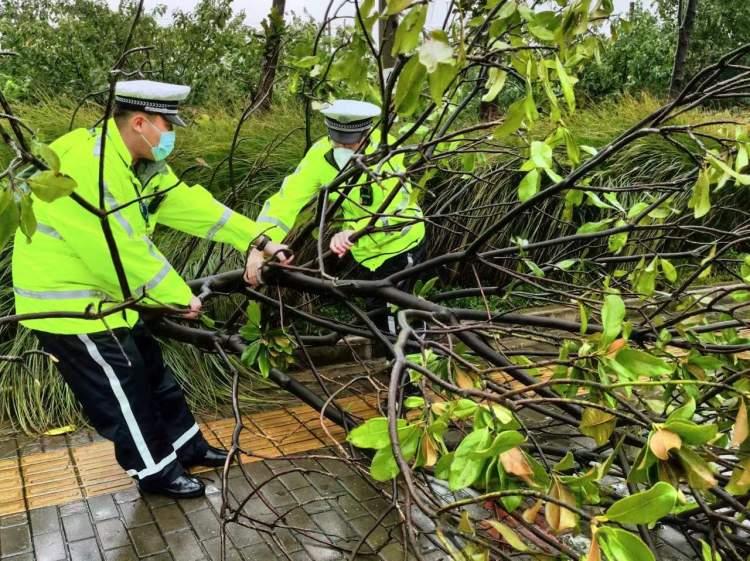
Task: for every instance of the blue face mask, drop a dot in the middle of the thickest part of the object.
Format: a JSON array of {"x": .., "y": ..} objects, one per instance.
[{"x": 165, "y": 146}]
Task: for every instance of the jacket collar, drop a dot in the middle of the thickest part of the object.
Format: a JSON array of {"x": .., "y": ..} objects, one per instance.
[{"x": 114, "y": 143}]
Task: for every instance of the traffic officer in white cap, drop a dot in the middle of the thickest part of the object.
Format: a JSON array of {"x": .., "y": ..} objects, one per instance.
[
  {"x": 398, "y": 241},
  {"x": 114, "y": 366}
]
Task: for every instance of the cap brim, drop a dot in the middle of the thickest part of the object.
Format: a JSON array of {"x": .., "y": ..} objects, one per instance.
[{"x": 174, "y": 119}]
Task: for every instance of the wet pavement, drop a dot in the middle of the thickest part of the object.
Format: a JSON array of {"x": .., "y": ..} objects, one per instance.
[{"x": 316, "y": 517}]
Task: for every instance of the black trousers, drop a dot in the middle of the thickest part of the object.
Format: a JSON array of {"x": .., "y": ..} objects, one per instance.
[
  {"x": 378, "y": 309},
  {"x": 131, "y": 398}
]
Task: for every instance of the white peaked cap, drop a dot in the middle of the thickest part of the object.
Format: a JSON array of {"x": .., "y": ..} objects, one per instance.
[
  {"x": 349, "y": 110},
  {"x": 152, "y": 97}
]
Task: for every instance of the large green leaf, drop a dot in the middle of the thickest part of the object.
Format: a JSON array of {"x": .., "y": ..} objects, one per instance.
[
  {"x": 692, "y": 433},
  {"x": 621, "y": 545},
  {"x": 495, "y": 83},
  {"x": 642, "y": 363},
  {"x": 529, "y": 185},
  {"x": 373, "y": 433},
  {"x": 409, "y": 87},
  {"x": 613, "y": 314},
  {"x": 466, "y": 467},
  {"x": 645, "y": 507},
  {"x": 408, "y": 31},
  {"x": 566, "y": 84},
  {"x": 440, "y": 80}
]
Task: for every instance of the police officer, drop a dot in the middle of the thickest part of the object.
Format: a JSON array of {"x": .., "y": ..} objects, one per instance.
[
  {"x": 113, "y": 365},
  {"x": 398, "y": 241}
]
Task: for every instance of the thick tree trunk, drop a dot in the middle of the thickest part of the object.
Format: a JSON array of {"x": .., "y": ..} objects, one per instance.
[
  {"x": 386, "y": 35},
  {"x": 686, "y": 20},
  {"x": 274, "y": 28}
]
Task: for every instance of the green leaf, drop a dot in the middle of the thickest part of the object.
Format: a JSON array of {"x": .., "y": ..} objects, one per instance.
[
  {"x": 384, "y": 466},
  {"x": 414, "y": 402},
  {"x": 684, "y": 412},
  {"x": 642, "y": 363},
  {"x": 27, "y": 220},
  {"x": 45, "y": 153},
  {"x": 645, "y": 278},
  {"x": 440, "y": 80},
  {"x": 409, "y": 87},
  {"x": 408, "y": 31},
  {"x": 692, "y": 433},
  {"x": 495, "y": 83},
  {"x": 670, "y": 273},
  {"x": 396, "y": 6},
  {"x": 264, "y": 364},
  {"x": 567, "y": 463},
  {"x": 645, "y": 507},
  {"x": 566, "y": 84},
  {"x": 504, "y": 441},
  {"x": 700, "y": 199},
  {"x": 529, "y": 185},
  {"x": 9, "y": 217},
  {"x": 591, "y": 227},
  {"x": 541, "y": 154},
  {"x": 253, "y": 313},
  {"x": 466, "y": 468},
  {"x": 373, "y": 433},
  {"x": 613, "y": 314},
  {"x": 597, "y": 424},
  {"x": 621, "y": 545},
  {"x": 616, "y": 242},
  {"x": 513, "y": 119},
  {"x": 48, "y": 186},
  {"x": 707, "y": 553},
  {"x": 436, "y": 50},
  {"x": 534, "y": 268},
  {"x": 250, "y": 354}
]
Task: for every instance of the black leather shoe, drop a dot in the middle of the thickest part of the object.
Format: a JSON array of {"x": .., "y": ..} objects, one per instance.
[
  {"x": 214, "y": 457},
  {"x": 183, "y": 487}
]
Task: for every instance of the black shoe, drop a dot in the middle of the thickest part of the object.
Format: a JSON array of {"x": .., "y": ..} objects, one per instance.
[
  {"x": 183, "y": 487},
  {"x": 214, "y": 457}
]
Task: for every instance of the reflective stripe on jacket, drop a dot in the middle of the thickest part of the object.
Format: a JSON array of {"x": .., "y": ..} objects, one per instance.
[
  {"x": 316, "y": 170},
  {"x": 67, "y": 267}
]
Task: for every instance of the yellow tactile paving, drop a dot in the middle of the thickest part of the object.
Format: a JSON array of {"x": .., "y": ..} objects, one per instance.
[{"x": 66, "y": 475}]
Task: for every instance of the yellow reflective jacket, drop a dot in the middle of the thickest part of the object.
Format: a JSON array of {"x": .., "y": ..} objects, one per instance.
[
  {"x": 67, "y": 266},
  {"x": 316, "y": 170}
]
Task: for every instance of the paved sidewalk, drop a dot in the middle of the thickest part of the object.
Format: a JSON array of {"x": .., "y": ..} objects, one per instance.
[
  {"x": 65, "y": 498},
  {"x": 336, "y": 509}
]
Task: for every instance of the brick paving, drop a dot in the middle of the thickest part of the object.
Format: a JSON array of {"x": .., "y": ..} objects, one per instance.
[
  {"x": 65, "y": 498},
  {"x": 321, "y": 517}
]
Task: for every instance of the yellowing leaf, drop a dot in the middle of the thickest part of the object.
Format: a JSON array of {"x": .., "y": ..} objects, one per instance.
[
  {"x": 429, "y": 451},
  {"x": 740, "y": 429},
  {"x": 559, "y": 518},
  {"x": 597, "y": 424},
  {"x": 530, "y": 514},
  {"x": 662, "y": 441},
  {"x": 60, "y": 430},
  {"x": 508, "y": 534},
  {"x": 464, "y": 380},
  {"x": 515, "y": 463}
]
